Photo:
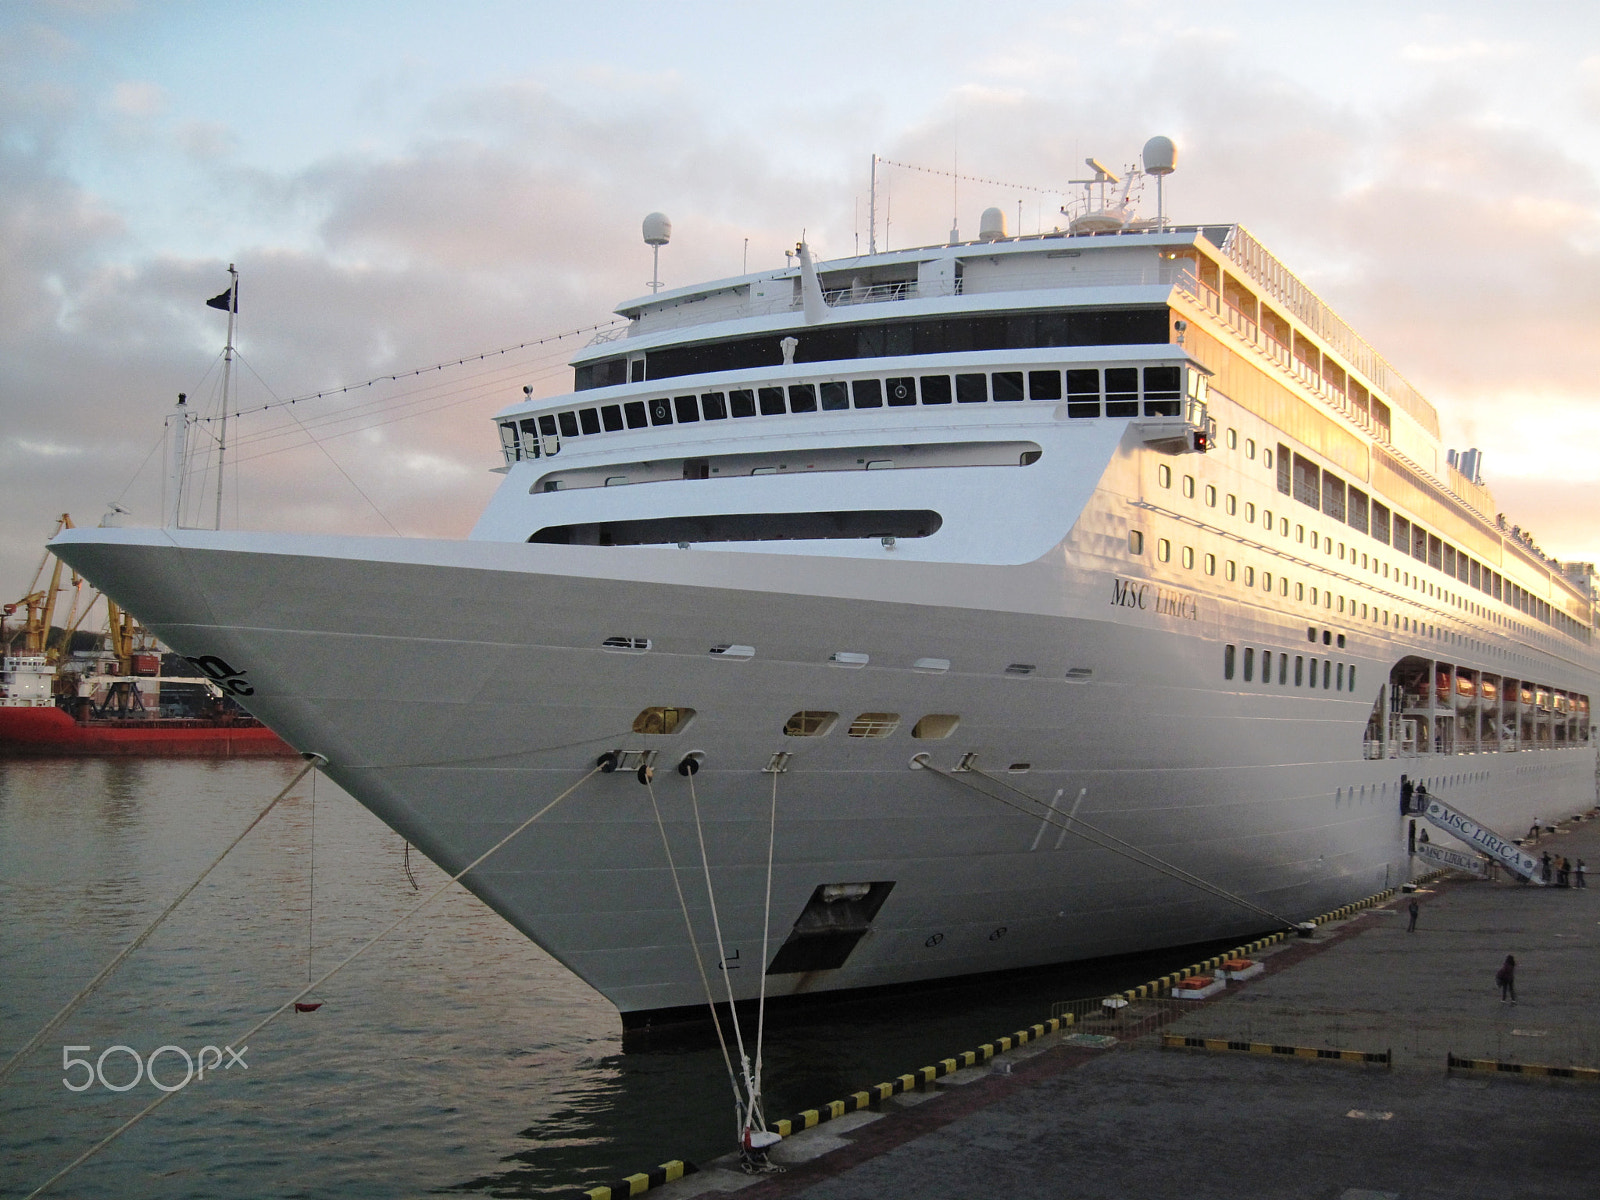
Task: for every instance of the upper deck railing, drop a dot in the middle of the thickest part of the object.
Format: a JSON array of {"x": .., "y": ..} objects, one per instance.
[{"x": 1309, "y": 309}]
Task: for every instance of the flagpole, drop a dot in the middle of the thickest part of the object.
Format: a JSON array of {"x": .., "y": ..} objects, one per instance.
[{"x": 227, "y": 371}]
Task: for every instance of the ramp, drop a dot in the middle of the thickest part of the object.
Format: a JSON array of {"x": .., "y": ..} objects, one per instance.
[{"x": 1459, "y": 825}]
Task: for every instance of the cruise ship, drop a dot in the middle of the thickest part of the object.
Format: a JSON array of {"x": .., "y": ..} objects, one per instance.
[{"x": 1020, "y": 600}]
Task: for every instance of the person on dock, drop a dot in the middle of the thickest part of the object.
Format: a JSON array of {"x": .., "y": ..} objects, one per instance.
[
  {"x": 1564, "y": 872},
  {"x": 1533, "y": 831},
  {"x": 1582, "y": 873},
  {"x": 1506, "y": 977},
  {"x": 1546, "y": 864},
  {"x": 1412, "y": 909}
]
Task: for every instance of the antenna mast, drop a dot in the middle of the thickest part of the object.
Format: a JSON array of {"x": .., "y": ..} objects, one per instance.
[
  {"x": 872, "y": 210},
  {"x": 227, "y": 371}
]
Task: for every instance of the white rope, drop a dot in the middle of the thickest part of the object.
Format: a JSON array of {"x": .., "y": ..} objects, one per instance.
[
  {"x": 1117, "y": 846},
  {"x": 694, "y": 945},
  {"x": 722, "y": 956},
  {"x": 72, "y": 1005},
  {"x": 245, "y": 1037},
  {"x": 766, "y": 925}
]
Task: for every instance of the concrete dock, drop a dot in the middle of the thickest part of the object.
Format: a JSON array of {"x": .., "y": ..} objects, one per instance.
[{"x": 1111, "y": 1108}]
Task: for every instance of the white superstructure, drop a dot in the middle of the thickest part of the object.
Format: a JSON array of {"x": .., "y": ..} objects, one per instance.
[{"x": 1122, "y": 531}]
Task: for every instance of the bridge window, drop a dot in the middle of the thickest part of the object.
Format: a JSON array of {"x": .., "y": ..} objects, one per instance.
[
  {"x": 936, "y": 389},
  {"x": 972, "y": 389}
]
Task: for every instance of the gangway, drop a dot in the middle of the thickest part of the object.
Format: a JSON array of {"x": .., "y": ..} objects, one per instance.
[{"x": 1458, "y": 825}]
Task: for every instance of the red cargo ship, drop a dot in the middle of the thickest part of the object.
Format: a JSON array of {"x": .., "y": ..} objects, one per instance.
[{"x": 45, "y": 731}]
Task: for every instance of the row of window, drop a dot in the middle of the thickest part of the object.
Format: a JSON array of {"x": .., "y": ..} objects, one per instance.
[
  {"x": 670, "y": 719},
  {"x": 1088, "y": 391},
  {"x": 891, "y": 339},
  {"x": 1322, "y": 490},
  {"x": 1337, "y": 677}
]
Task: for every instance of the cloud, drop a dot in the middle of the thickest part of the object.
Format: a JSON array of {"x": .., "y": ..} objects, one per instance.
[
  {"x": 1473, "y": 50},
  {"x": 134, "y": 98}
]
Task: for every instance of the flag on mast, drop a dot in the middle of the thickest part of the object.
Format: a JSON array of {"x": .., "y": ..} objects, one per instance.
[{"x": 228, "y": 300}]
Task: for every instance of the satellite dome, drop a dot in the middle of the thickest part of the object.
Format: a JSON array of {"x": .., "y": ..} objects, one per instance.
[
  {"x": 657, "y": 229},
  {"x": 1160, "y": 156},
  {"x": 992, "y": 225}
]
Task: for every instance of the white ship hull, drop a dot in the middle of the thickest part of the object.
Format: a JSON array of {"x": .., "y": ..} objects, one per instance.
[{"x": 1062, "y": 586}]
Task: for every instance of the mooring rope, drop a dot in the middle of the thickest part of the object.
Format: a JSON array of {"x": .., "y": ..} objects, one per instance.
[
  {"x": 766, "y": 925},
  {"x": 694, "y": 946},
  {"x": 1110, "y": 842},
  {"x": 50, "y": 1026},
  {"x": 305, "y": 991},
  {"x": 749, "y": 1103}
]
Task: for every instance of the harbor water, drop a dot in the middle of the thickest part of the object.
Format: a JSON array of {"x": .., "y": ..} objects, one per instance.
[{"x": 454, "y": 1056}]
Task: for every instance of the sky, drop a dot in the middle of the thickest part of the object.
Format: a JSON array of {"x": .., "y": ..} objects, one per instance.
[{"x": 403, "y": 185}]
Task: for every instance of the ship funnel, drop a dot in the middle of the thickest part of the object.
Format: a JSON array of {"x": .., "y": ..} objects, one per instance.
[{"x": 992, "y": 225}]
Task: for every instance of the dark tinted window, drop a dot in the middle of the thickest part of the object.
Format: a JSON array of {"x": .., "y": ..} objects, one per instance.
[
  {"x": 547, "y": 424},
  {"x": 741, "y": 403},
  {"x": 1161, "y": 382},
  {"x": 902, "y": 392},
  {"x": 1122, "y": 391},
  {"x": 972, "y": 389},
  {"x": 589, "y": 419},
  {"x": 771, "y": 401},
  {"x": 714, "y": 405},
  {"x": 1007, "y": 385},
  {"x": 835, "y": 396},
  {"x": 687, "y": 407},
  {"x": 569, "y": 423},
  {"x": 611, "y": 417},
  {"x": 1044, "y": 385},
  {"x": 636, "y": 414},
  {"x": 868, "y": 393},
  {"x": 660, "y": 411},
  {"x": 802, "y": 398},
  {"x": 936, "y": 389}
]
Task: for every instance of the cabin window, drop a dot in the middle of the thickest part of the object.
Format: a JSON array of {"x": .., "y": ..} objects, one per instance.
[
  {"x": 1211, "y": 564},
  {"x": 1163, "y": 550},
  {"x": 936, "y": 389},
  {"x": 1232, "y": 505},
  {"x": 714, "y": 406},
  {"x": 1285, "y": 471},
  {"x": 1266, "y": 666},
  {"x": 902, "y": 391},
  {"x": 1083, "y": 393},
  {"x": 1327, "y": 673},
  {"x": 835, "y": 397},
  {"x": 1339, "y": 677},
  {"x": 1233, "y": 439},
  {"x": 635, "y": 412},
  {"x": 1007, "y": 385},
  {"x": 1307, "y": 482},
  {"x": 1163, "y": 394},
  {"x": 1249, "y": 664},
  {"x": 1266, "y": 458},
  {"x": 867, "y": 393},
  {"x": 1266, "y": 518},
  {"x": 1230, "y": 571},
  {"x": 1300, "y": 591},
  {"x": 1122, "y": 391},
  {"x": 1227, "y": 662},
  {"x": 611, "y": 417},
  {"x": 1250, "y": 512},
  {"x": 771, "y": 401},
  {"x": 687, "y": 408},
  {"x": 1044, "y": 385},
  {"x": 1266, "y": 581},
  {"x": 1188, "y": 557},
  {"x": 662, "y": 720},
  {"x": 874, "y": 725},
  {"x": 1164, "y": 475},
  {"x": 1135, "y": 542},
  {"x": 1211, "y": 495},
  {"x": 972, "y": 389},
  {"x": 1299, "y": 670},
  {"x": 589, "y": 419},
  {"x": 802, "y": 398},
  {"x": 935, "y": 726},
  {"x": 1250, "y": 448},
  {"x": 1283, "y": 670},
  {"x": 809, "y": 723},
  {"x": 1188, "y": 487},
  {"x": 1352, "y": 677},
  {"x": 741, "y": 403},
  {"x": 1249, "y": 577}
]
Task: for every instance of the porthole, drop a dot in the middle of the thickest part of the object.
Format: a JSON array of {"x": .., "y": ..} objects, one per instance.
[
  {"x": 1233, "y": 439},
  {"x": 1266, "y": 581},
  {"x": 935, "y": 726},
  {"x": 1188, "y": 558},
  {"x": 1211, "y": 495},
  {"x": 1188, "y": 487},
  {"x": 1211, "y": 564},
  {"x": 1163, "y": 550},
  {"x": 1266, "y": 458},
  {"x": 1249, "y": 577},
  {"x": 809, "y": 723},
  {"x": 874, "y": 725},
  {"x": 1232, "y": 505},
  {"x": 1250, "y": 512},
  {"x": 1230, "y": 571},
  {"x": 662, "y": 719},
  {"x": 1250, "y": 448},
  {"x": 1266, "y": 518},
  {"x": 1164, "y": 475},
  {"x": 1135, "y": 542}
]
